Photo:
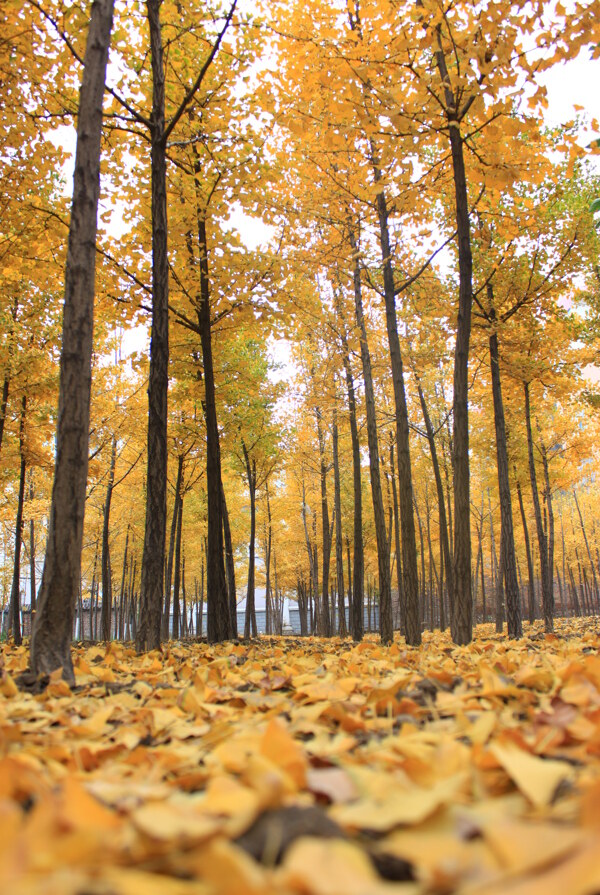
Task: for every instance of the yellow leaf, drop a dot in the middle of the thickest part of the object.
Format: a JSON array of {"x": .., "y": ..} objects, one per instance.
[
  {"x": 537, "y": 778},
  {"x": 279, "y": 747}
]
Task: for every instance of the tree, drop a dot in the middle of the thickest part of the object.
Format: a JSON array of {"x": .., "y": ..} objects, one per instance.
[{"x": 61, "y": 578}]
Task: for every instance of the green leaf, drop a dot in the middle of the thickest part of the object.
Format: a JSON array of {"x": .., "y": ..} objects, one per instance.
[{"x": 595, "y": 206}]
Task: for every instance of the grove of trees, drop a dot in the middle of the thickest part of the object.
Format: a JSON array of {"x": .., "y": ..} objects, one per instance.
[{"x": 319, "y": 312}]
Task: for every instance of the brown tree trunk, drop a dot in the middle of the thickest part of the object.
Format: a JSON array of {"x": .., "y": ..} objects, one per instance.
[
  {"x": 250, "y": 618},
  {"x": 547, "y": 607},
  {"x": 339, "y": 554},
  {"x": 507, "y": 538},
  {"x": 356, "y": 596},
  {"x": 218, "y": 623},
  {"x": 531, "y": 579},
  {"x": 386, "y": 625},
  {"x": 53, "y": 628},
  {"x": 15, "y": 592},
  {"x": 106, "y": 582},
  {"x": 177, "y": 576},
  {"x": 3, "y": 405},
  {"x": 229, "y": 567},
  {"x": 166, "y": 616},
  {"x": 401, "y": 600},
  {"x": 462, "y": 620},
  {"x": 153, "y": 557},
  {"x": 325, "y": 619},
  {"x": 587, "y": 547},
  {"x": 444, "y": 536},
  {"x": 32, "y": 581}
]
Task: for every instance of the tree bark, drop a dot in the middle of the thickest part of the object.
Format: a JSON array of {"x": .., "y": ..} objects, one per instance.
[
  {"x": 177, "y": 575},
  {"x": 507, "y": 539},
  {"x": 53, "y": 628},
  {"x": 339, "y": 554},
  {"x": 358, "y": 596},
  {"x": 15, "y": 592},
  {"x": 325, "y": 619},
  {"x": 386, "y": 625},
  {"x": 547, "y": 607},
  {"x": 401, "y": 600},
  {"x": 153, "y": 557},
  {"x": 407, "y": 521},
  {"x": 32, "y": 581},
  {"x": 106, "y": 581},
  {"x": 218, "y": 622},
  {"x": 229, "y": 567},
  {"x": 531, "y": 580},
  {"x": 444, "y": 535},
  {"x": 250, "y": 618},
  {"x": 166, "y": 617},
  {"x": 462, "y": 619}
]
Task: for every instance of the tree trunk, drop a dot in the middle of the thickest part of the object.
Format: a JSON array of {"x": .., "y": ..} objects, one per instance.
[
  {"x": 401, "y": 600},
  {"x": 507, "y": 538},
  {"x": 153, "y": 557},
  {"x": 32, "y": 581},
  {"x": 550, "y": 529},
  {"x": 123, "y": 595},
  {"x": 462, "y": 620},
  {"x": 407, "y": 522},
  {"x": 444, "y": 536},
  {"x": 250, "y": 619},
  {"x": 531, "y": 580},
  {"x": 356, "y": 600},
  {"x": 218, "y": 623},
  {"x": 229, "y": 567},
  {"x": 177, "y": 575},
  {"x": 325, "y": 620},
  {"x": 339, "y": 554},
  {"x": 106, "y": 583},
  {"x": 53, "y": 628},
  {"x": 15, "y": 592},
  {"x": 587, "y": 547},
  {"x": 386, "y": 625},
  {"x": 547, "y": 607},
  {"x": 166, "y": 618}
]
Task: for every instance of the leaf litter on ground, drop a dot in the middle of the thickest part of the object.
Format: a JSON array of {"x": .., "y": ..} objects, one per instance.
[{"x": 307, "y": 767}]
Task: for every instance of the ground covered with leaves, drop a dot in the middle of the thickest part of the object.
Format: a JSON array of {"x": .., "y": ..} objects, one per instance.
[{"x": 307, "y": 767}]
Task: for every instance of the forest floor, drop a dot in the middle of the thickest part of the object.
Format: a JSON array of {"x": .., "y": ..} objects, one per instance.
[{"x": 307, "y": 767}]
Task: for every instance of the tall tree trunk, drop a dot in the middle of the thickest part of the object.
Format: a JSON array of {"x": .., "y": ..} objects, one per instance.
[
  {"x": 15, "y": 592},
  {"x": 531, "y": 578},
  {"x": 550, "y": 528},
  {"x": 153, "y": 558},
  {"x": 61, "y": 578},
  {"x": 123, "y": 594},
  {"x": 386, "y": 625},
  {"x": 401, "y": 600},
  {"x": 229, "y": 567},
  {"x": 507, "y": 538},
  {"x": 269, "y": 602},
  {"x": 339, "y": 554},
  {"x": 462, "y": 620},
  {"x": 32, "y": 582},
  {"x": 218, "y": 623},
  {"x": 250, "y": 619},
  {"x": 4, "y": 405},
  {"x": 106, "y": 582},
  {"x": 166, "y": 618},
  {"x": 587, "y": 548},
  {"x": 177, "y": 575},
  {"x": 356, "y": 599},
  {"x": 444, "y": 536},
  {"x": 325, "y": 619},
  {"x": 547, "y": 607}
]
